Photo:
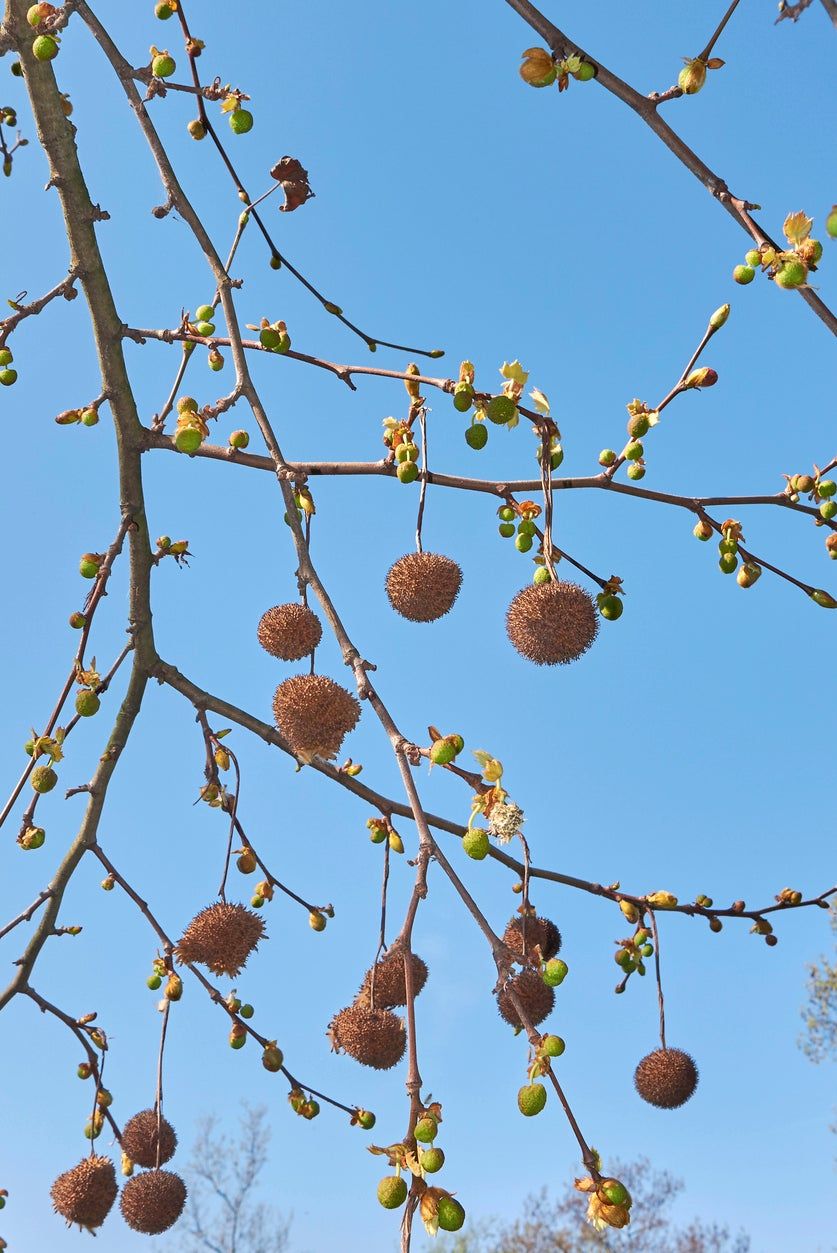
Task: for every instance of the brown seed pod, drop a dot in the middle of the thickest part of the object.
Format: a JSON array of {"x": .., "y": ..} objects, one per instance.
[
  {"x": 552, "y": 623},
  {"x": 666, "y": 1078},
  {"x": 390, "y": 987},
  {"x": 525, "y": 933},
  {"x": 423, "y": 586},
  {"x": 85, "y": 1194},
  {"x": 373, "y": 1037},
  {"x": 139, "y": 1139},
  {"x": 314, "y": 714},
  {"x": 221, "y": 937},
  {"x": 153, "y": 1201},
  {"x": 289, "y": 631},
  {"x": 536, "y": 997}
]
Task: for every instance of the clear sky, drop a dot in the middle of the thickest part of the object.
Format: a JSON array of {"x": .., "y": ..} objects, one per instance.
[{"x": 690, "y": 750}]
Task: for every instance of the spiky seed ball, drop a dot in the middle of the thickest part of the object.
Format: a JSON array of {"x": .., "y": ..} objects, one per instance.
[
  {"x": 85, "y": 1194},
  {"x": 373, "y": 1037},
  {"x": 222, "y": 937},
  {"x": 523, "y": 934},
  {"x": 666, "y": 1078},
  {"x": 153, "y": 1202},
  {"x": 289, "y": 631},
  {"x": 390, "y": 985},
  {"x": 534, "y": 995},
  {"x": 552, "y": 623},
  {"x": 139, "y": 1139},
  {"x": 314, "y": 714},
  {"x": 423, "y": 586}
]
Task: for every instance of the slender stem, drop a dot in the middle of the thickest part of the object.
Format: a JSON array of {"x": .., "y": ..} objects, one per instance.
[{"x": 660, "y": 997}]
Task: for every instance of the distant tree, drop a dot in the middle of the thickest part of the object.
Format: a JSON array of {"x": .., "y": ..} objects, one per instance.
[
  {"x": 222, "y": 1213},
  {"x": 556, "y": 1224},
  {"x": 820, "y": 1012}
]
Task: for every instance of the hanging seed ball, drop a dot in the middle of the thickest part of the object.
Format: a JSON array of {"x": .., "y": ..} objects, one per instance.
[
  {"x": 139, "y": 1139},
  {"x": 222, "y": 937},
  {"x": 153, "y": 1202},
  {"x": 524, "y": 934},
  {"x": 666, "y": 1078},
  {"x": 390, "y": 985},
  {"x": 536, "y": 997},
  {"x": 289, "y": 632},
  {"x": 423, "y": 586},
  {"x": 85, "y": 1194},
  {"x": 552, "y": 623},
  {"x": 314, "y": 714},
  {"x": 373, "y": 1037}
]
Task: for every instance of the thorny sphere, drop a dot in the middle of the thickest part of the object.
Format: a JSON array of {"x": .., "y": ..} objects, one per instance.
[
  {"x": 527, "y": 933},
  {"x": 153, "y": 1201},
  {"x": 289, "y": 632},
  {"x": 666, "y": 1078},
  {"x": 423, "y": 586},
  {"x": 552, "y": 623},
  {"x": 314, "y": 714},
  {"x": 374, "y": 1037},
  {"x": 85, "y": 1194},
  {"x": 139, "y": 1139},
  {"x": 536, "y": 997},
  {"x": 390, "y": 985},
  {"x": 222, "y": 937}
]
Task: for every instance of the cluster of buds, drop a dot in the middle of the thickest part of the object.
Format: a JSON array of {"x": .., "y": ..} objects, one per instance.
[
  {"x": 162, "y": 62},
  {"x": 789, "y": 896},
  {"x": 631, "y": 952},
  {"x": 43, "y": 18},
  {"x": 262, "y": 892},
  {"x": 398, "y": 437},
  {"x": 303, "y": 1105},
  {"x": 609, "y": 599},
  {"x": 541, "y": 69},
  {"x": 167, "y": 547},
  {"x": 90, "y": 564},
  {"x": 693, "y": 74},
  {"x": 8, "y": 374},
  {"x": 191, "y": 429},
  {"x": 519, "y": 517},
  {"x": 749, "y": 572},
  {"x": 789, "y": 268},
  {"x": 610, "y": 1202},
  {"x": 44, "y": 778},
  {"x": 31, "y": 838},
  {"x": 240, "y": 119},
  {"x": 382, "y": 831},
  {"x": 362, "y": 1118},
  {"x": 235, "y": 1006},
  {"x": 444, "y": 748},
  {"x": 819, "y": 490},
  {"x": 273, "y": 336},
  {"x": 86, "y": 416}
]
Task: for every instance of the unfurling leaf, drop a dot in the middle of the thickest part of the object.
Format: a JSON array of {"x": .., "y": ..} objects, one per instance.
[{"x": 797, "y": 227}]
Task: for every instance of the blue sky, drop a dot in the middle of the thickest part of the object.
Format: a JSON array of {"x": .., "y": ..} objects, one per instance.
[{"x": 690, "y": 750}]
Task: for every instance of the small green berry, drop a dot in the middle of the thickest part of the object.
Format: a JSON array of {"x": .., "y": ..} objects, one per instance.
[
  {"x": 828, "y": 509},
  {"x": 463, "y": 397},
  {"x": 523, "y": 543},
  {"x": 753, "y": 258},
  {"x": 407, "y": 472},
  {"x": 791, "y": 274},
  {"x": 506, "y": 514},
  {"x": 89, "y": 417},
  {"x": 45, "y": 48},
  {"x": 552, "y": 1045},
  {"x": 555, "y": 972},
  {"x": 163, "y": 66},
  {"x": 269, "y": 337},
  {"x": 476, "y": 844},
  {"x": 831, "y": 223},
  {"x": 204, "y": 313},
  {"x": 638, "y": 426},
  {"x": 743, "y": 274},
  {"x": 501, "y": 409},
  {"x": 585, "y": 72},
  {"x": 728, "y": 563},
  {"x": 153, "y": 982},
  {"x": 633, "y": 451},
  {"x": 476, "y": 435},
  {"x": 611, "y": 607},
  {"x": 188, "y": 439},
  {"x": 531, "y": 1099},
  {"x": 431, "y": 1160},
  {"x": 541, "y": 575},
  {"x": 272, "y": 1058},
  {"x": 826, "y": 487},
  {"x": 607, "y": 457},
  {"x": 614, "y": 1192},
  {"x": 6, "y": 357},
  {"x": 451, "y": 1214},
  {"x": 239, "y": 439},
  {"x": 392, "y": 1192},
  {"x": 8, "y": 377},
  {"x": 241, "y": 121},
  {"x": 163, "y": 10},
  {"x": 196, "y": 128},
  {"x": 636, "y": 471},
  {"x": 87, "y": 703},
  {"x": 426, "y": 1129},
  {"x": 89, "y": 566},
  {"x": 43, "y": 779},
  {"x": 506, "y": 529}
]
